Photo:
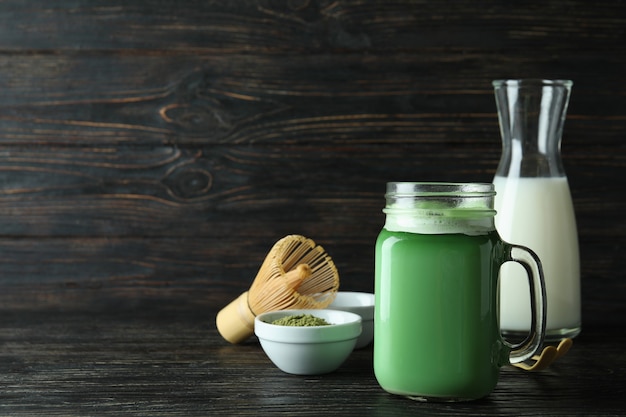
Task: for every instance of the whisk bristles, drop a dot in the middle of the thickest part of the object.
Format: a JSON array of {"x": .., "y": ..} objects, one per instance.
[{"x": 270, "y": 290}]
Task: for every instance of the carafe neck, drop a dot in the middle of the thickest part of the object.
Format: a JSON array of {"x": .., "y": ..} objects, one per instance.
[{"x": 531, "y": 114}]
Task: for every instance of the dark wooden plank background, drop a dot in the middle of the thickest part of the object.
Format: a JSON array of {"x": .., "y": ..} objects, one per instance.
[{"x": 151, "y": 152}]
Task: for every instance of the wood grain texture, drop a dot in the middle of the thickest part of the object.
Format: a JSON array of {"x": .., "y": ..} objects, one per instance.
[
  {"x": 267, "y": 26},
  {"x": 143, "y": 100},
  {"x": 162, "y": 362},
  {"x": 153, "y": 152}
]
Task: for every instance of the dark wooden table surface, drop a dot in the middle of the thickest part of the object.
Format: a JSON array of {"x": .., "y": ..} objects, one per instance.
[{"x": 155, "y": 362}]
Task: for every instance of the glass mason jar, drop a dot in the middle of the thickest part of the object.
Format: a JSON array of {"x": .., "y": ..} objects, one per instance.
[
  {"x": 534, "y": 205},
  {"x": 436, "y": 332}
]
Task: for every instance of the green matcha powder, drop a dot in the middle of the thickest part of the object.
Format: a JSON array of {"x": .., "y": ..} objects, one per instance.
[{"x": 300, "y": 320}]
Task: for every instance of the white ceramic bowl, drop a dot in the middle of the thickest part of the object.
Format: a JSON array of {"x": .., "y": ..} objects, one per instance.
[
  {"x": 309, "y": 350},
  {"x": 361, "y": 303}
]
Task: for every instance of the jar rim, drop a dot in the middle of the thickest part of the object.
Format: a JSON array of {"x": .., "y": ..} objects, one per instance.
[
  {"x": 440, "y": 189},
  {"x": 520, "y": 82},
  {"x": 440, "y": 199}
]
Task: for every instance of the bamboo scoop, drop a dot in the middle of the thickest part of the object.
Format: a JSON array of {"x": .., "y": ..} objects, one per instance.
[
  {"x": 296, "y": 274},
  {"x": 548, "y": 355}
]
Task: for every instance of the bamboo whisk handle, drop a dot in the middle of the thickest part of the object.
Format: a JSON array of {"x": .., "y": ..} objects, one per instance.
[{"x": 235, "y": 322}]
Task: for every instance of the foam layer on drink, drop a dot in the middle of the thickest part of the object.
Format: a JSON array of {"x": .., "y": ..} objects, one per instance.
[{"x": 439, "y": 221}]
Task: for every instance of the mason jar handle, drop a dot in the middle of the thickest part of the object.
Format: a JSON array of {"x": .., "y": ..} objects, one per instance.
[{"x": 532, "y": 343}]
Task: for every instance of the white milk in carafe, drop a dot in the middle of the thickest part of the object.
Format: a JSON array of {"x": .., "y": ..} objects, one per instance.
[{"x": 538, "y": 213}]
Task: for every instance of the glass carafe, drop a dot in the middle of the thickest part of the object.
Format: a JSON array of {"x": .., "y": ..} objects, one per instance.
[{"x": 534, "y": 204}]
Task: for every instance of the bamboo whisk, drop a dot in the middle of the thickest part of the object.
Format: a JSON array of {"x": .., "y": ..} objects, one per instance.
[{"x": 296, "y": 273}]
